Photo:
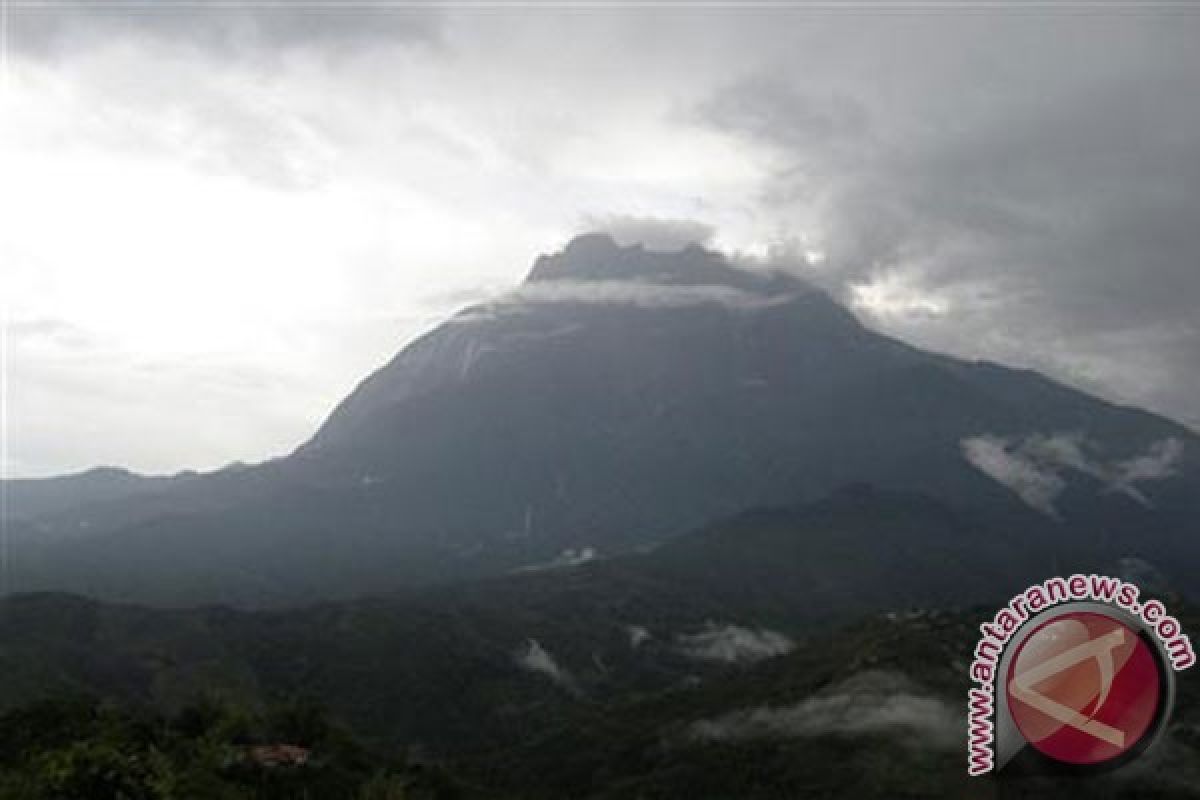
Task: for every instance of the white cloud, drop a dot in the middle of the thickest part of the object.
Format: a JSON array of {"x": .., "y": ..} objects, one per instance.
[
  {"x": 1035, "y": 485},
  {"x": 636, "y": 293},
  {"x": 733, "y": 644},
  {"x": 533, "y": 657},
  {"x": 1160, "y": 461},
  {"x": 873, "y": 702},
  {"x": 895, "y": 294},
  {"x": 1034, "y": 466},
  {"x": 571, "y": 557},
  {"x": 638, "y": 635}
]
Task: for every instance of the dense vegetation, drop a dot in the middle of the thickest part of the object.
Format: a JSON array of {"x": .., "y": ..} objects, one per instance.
[
  {"x": 872, "y": 710},
  {"x": 552, "y": 684},
  {"x": 84, "y": 749}
]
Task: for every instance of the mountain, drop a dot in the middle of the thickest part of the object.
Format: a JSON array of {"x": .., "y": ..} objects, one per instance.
[
  {"x": 38, "y": 498},
  {"x": 617, "y": 399}
]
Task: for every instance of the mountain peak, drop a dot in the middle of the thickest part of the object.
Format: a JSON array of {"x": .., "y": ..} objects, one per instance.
[{"x": 597, "y": 257}]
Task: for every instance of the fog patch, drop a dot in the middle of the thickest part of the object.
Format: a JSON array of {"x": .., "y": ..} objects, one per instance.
[
  {"x": 535, "y": 658},
  {"x": 734, "y": 644},
  {"x": 638, "y": 635},
  {"x": 1161, "y": 460},
  {"x": 1034, "y": 467},
  {"x": 1035, "y": 486},
  {"x": 639, "y": 294},
  {"x": 873, "y": 702},
  {"x": 571, "y": 557}
]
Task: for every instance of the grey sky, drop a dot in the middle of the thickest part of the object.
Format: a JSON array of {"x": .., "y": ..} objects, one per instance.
[{"x": 219, "y": 218}]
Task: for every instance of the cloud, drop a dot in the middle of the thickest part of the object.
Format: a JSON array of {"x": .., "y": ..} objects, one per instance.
[
  {"x": 1160, "y": 461},
  {"x": 48, "y": 333},
  {"x": 1003, "y": 185},
  {"x": 571, "y": 557},
  {"x": 1036, "y": 210},
  {"x": 1034, "y": 466},
  {"x": 666, "y": 235},
  {"x": 733, "y": 644},
  {"x": 52, "y": 29},
  {"x": 1035, "y": 485},
  {"x": 873, "y": 702},
  {"x": 638, "y": 635},
  {"x": 807, "y": 123},
  {"x": 643, "y": 294},
  {"x": 533, "y": 657}
]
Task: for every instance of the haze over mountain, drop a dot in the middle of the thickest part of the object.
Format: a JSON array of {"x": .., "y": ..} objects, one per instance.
[{"x": 621, "y": 396}]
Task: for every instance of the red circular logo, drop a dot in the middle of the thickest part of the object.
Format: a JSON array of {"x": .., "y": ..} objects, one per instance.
[{"x": 1084, "y": 688}]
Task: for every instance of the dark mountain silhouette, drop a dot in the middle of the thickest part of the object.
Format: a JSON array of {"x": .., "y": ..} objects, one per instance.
[{"x": 617, "y": 399}]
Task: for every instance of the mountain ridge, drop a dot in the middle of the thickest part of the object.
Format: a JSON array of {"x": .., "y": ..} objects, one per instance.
[{"x": 617, "y": 399}]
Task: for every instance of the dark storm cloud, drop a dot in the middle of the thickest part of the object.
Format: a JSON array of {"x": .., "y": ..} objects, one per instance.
[
  {"x": 1050, "y": 164},
  {"x": 53, "y": 28}
]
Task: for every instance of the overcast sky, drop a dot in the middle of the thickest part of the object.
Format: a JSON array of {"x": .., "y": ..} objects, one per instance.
[{"x": 215, "y": 220}]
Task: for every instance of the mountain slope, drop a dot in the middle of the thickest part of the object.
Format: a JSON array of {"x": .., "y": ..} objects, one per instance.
[{"x": 618, "y": 398}]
